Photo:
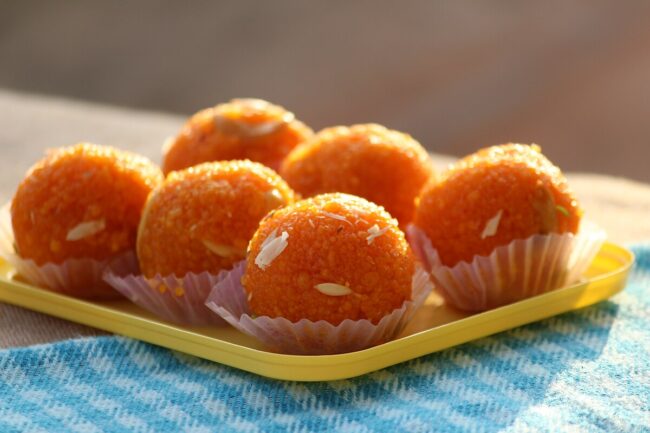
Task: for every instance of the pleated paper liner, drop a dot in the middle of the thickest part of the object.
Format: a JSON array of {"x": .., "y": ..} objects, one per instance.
[
  {"x": 305, "y": 337},
  {"x": 519, "y": 270},
  {"x": 179, "y": 300},
  {"x": 79, "y": 277}
]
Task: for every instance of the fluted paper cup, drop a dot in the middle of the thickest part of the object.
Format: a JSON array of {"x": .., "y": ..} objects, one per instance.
[
  {"x": 305, "y": 337},
  {"x": 519, "y": 270},
  {"x": 79, "y": 277},
  {"x": 179, "y": 300}
]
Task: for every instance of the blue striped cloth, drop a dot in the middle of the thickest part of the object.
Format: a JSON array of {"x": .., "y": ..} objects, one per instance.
[{"x": 586, "y": 371}]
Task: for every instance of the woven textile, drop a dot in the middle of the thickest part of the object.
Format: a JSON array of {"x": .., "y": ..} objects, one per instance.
[{"x": 583, "y": 371}]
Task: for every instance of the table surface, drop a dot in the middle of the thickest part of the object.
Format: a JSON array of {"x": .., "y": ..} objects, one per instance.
[{"x": 31, "y": 124}]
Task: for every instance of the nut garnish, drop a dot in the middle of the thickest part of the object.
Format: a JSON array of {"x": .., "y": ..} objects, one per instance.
[
  {"x": 492, "y": 225},
  {"x": 222, "y": 250},
  {"x": 562, "y": 210},
  {"x": 375, "y": 232},
  {"x": 271, "y": 248},
  {"x": 337, "y": 217},
  {"x": 236, "y": 119},
  {"x": 85, "y": 229},
  {"x": 251, "y": 104},
  {"x": 333, "y": 289},
  {"x": 263, "y": 128}
]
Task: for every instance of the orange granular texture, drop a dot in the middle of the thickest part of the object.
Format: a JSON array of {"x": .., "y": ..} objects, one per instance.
[
  {"x": 517, "y": 180},
  {"x": 85, "y": 183},
  {"x": 240, "y": 129},
  {"x": 322, "y": 248},
  {"x": 201, "y": 218},
  {"x": 384, "y": 166}
]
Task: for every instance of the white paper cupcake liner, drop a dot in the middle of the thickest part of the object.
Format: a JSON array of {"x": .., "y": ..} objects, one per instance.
[
  {"x": 174, "y": 299},
  {"x": 519, "y": 270},
  {"x": 79, "y": 277},
  {"x": 305, "y": 337}
]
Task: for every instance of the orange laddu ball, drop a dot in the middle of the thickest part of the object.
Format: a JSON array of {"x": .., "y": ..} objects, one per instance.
[
  {"x": 331, "y": 257},
  {"x": 492, "y": 197},
  {"x": 384, "y": 166},
  {"x": 201, "y": 218},
  {"x": 240, "y": 129},
  {"x": 81, "y": 201}
]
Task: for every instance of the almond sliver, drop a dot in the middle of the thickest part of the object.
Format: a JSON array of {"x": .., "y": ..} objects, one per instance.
[
  {"x": 271, "y": 248},
  {"x": 492, "y": 225},
  {"x": 333, "y": 289},
  {"x": 221, "y": 250},
  {"x": 85, "y": 229}
]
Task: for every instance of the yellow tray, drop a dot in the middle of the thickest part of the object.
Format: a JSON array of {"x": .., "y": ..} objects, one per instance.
[{"x": 435, "y": 326}]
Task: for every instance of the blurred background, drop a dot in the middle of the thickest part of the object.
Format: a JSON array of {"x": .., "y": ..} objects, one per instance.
[{"x": 572, "y": 76}]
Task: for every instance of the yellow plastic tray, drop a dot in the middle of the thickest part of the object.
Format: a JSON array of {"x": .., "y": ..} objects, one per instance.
[{"x": 435, "y": 326}]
